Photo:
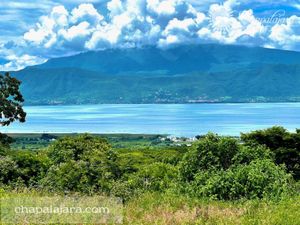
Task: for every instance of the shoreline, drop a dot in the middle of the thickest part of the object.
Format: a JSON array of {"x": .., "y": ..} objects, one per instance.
[
  {"x": 110, "y": 135},
  {"x": 158, "y": 103}
]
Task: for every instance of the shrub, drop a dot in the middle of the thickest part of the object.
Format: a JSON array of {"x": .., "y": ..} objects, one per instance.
[
  {"x": 124, "y": 190},
  {"x": 259, "y": 179},
  {"x": 5, "y": 140},
  {"x": 25, "y": 167},
  {"x": 210, "y": 152},
  {"x": 247, "y": 154},
  {"x": 222, "y": 168},
  {"x": 76, "y": 148},
  {"x": 32, "y": 165},
  {"x": 3, "y": 150},
  {"x": 156, "y": 177},
  {"x": 69, "y": 176},
  {"x": 9, "y": 171},
  {"x": 285, "y": 145},
  {"x": 82, "y": 163}
]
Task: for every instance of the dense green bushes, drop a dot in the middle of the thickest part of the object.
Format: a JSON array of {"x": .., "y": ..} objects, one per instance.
[
  {"x": 259, "y": 179},
  {"x": 32, "y": 166},
  {"x": 23, "y": 167},
  {"x": 247, "y": 154},
  {"x": 214, "y": 167},
  {"x": 155, "y": 177},
  {"x": 83, "y": 163},
  {"x": 211, "y": 152},
  {"x": 8, "y": 170},
  {"x": 222, "y": 168},
  {"x": 285, "y": 146},
  {"x": 5, "y": 140}
]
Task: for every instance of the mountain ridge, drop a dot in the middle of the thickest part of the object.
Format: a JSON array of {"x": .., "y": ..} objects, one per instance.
[{"x": 182, "y": 74}]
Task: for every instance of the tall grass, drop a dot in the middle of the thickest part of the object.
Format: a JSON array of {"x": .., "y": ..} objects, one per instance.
[
  {"x": 170, "y": 209},
  {"x": 166, "y": 209}
]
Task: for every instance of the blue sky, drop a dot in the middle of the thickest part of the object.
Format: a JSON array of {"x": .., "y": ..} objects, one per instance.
[{"x": 36, "y": 30}]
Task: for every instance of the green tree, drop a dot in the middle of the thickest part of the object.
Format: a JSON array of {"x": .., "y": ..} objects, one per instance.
[
  {"x": 209, "y": 153},
  {"x": 81, "y": 163},
  {"x": 247, "y": 154},
  {"x": 11, "y": 100},
  {"x": 5, "y": 140},
  {"x": 258, "y": 179},
  {"x": 285, "y": 145},
  {"x": 32, "y": 165},
  {"x": 9, "y": 170},
  {"x": 154, "y": 177},
  {"x": 11, "y": 108}
]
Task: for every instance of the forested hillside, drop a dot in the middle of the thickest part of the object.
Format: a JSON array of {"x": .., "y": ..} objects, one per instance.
[{"x": 186, "y": 74}]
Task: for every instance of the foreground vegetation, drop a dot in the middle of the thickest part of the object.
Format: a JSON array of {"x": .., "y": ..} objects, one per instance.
[
  {"x": 170, "y": 209},
  {"x": 217, "y": 180}
]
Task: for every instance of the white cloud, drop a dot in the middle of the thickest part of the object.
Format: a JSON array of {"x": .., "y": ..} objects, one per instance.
[
  {"x": 115, "y": 7},
  {"x": 19, "y": 62},
  {"x": 169, "y": 40},
  {"x": 297, "y": 6},
  {"x": 181, "y": 31},
  {"x": 104, "y": 37},
  {"x": 62, "y": 31},
  {"x": 135, "y": 23},
  {"x": 286, "y": 35},
  {"x": 166, "y": 7},
  {"x": 60, "y": 15},
  {"x": 225, "y": 27},
  {"x": 86, "y": 12},
  {"x": 182, "y": 25},
  {"x": 46, "y": 29},
  {"x": 80, "y": 30},
  {"x": 251, "y": 25}
]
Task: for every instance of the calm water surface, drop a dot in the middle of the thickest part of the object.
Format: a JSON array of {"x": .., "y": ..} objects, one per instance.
[{"x": 179, "y": 120}]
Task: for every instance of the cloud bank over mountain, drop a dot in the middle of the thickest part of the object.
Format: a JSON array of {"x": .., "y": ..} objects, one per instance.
[{"x": 135, "y": 23}]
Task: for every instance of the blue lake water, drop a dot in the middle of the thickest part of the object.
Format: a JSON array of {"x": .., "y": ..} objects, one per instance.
[{"x": 173, "y": 119}]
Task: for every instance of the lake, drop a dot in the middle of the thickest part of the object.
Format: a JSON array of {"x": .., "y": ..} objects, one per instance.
[{"x": 174, "y": 119}]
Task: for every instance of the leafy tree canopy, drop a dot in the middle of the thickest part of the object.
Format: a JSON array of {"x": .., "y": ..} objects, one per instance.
[
  {"x": 82, "y": 163},
  {"x": 285, "y": 145},
  {"x": 11, "y": 100}
]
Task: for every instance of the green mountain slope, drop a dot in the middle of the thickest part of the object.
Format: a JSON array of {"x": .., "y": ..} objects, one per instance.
[{"x": 204, "y": 73}]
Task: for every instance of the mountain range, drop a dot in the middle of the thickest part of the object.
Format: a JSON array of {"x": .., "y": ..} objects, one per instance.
[{"x": 181, "y": 74}]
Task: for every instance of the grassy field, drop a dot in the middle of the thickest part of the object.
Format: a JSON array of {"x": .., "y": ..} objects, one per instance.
[
  {"x": 167, "y": 209},
  {"x": 171, "y": 210}
]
